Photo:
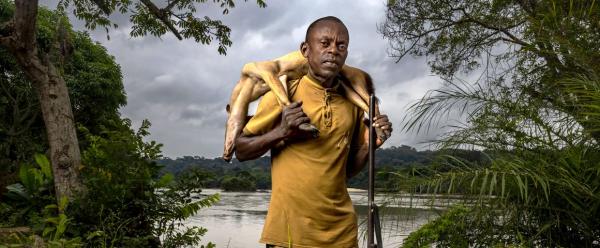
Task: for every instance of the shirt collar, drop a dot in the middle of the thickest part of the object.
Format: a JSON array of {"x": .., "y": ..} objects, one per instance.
[{"x": 314, "y": 83}]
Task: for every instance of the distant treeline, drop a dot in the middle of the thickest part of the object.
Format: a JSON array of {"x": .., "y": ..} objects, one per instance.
[{"x": 256, "y": 174}]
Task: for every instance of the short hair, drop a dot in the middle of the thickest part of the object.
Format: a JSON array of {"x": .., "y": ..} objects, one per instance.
[{"x": 322, "y": 19}]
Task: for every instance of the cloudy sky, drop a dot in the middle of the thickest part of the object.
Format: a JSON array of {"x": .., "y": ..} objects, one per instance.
[{"x": 182, "y": 87}]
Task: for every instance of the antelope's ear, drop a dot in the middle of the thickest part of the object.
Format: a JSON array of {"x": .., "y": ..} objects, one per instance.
[{"x": 304, "y": 49}]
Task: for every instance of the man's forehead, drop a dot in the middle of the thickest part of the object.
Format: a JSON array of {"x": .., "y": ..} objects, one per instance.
[{"x": 328, "y": 24}]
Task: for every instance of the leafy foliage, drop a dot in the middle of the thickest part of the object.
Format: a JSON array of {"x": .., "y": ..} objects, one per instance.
[
  {"x": 240, "y": 182},
  {"x": 93, "y": 77},
  {"x": 450, "y": 229},
  {"x": 31, "y": 203},
  {"x": 389, "y": 161},
  {"x": 129, "y": 207},
  {"x": 126, "y": 205},
  {"x": 256, "y": 174},
  {"x": 177, "y": 17},
  {"x": 533, "y": 110},
  {"x": 23, "y": 200}
]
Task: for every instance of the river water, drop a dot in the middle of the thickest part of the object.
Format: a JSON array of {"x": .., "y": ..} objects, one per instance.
[{"x": 236, "y": 220}]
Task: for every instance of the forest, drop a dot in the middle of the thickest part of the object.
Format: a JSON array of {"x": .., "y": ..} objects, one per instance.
[{"x": 255, "y": 174}]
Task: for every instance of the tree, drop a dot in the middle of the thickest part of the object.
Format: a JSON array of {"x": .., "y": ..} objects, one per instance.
[
  {"x": 529, "y": 45},
  {"x": 41, "y": 63},
  {"x": 95, "y": 87},
  {"x": 534, "y": 110}
]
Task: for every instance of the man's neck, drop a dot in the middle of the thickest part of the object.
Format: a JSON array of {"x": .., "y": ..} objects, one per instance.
[{"x": 325, "y": 82}]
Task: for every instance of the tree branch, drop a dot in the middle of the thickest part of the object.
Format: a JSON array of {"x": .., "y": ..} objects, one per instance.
[
  {"x": 512, "y": 37},
  {"x": 163, "y": 16},
  {"x": 171, "y": 5}
]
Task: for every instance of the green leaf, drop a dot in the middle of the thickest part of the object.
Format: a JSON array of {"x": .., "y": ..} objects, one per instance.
[
  {"x": 27, "y": 178},
  {"x": 62, "y": 204},
  {"x": 47, "y": 231},
  {"x": 19, "y": 190},
  {"x": 165, "y": 180},
  {"x": 44, "y": 164},
  {"x": 95, "y": 234},
  {"x": 62, "y": 226}
]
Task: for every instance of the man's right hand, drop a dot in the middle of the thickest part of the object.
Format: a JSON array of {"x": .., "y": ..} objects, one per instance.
[{"x": 291, "y": 118}]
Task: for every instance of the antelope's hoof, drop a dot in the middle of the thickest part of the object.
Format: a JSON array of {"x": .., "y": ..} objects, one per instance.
[
  {"x": 227, "y": 157},
  {"x": 307, "y": 127}
]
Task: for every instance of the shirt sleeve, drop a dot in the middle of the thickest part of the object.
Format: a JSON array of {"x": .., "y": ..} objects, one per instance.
[{"x": 267, "y": 116}]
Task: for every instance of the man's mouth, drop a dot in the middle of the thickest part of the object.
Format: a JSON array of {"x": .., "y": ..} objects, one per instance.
[{"x": 329, "y": 63}]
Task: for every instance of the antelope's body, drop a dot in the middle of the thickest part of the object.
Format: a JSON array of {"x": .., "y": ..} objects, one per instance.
[{"x": 257, "y": 78}]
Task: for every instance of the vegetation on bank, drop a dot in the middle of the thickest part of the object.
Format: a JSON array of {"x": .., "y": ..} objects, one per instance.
[
  {"x": 98, "y": 186},
  {"x": 522, "y": 83},
  {"x": 256, "y": 174}
]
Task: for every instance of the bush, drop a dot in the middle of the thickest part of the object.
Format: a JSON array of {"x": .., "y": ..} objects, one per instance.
[
  {"x": 127, "y": 204},
  {"x": 237, "y": 183}
]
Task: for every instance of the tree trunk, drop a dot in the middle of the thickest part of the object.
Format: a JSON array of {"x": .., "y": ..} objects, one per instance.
[
  {"x": 55, "y": 104},
  {"x": 53, "y": 96}
]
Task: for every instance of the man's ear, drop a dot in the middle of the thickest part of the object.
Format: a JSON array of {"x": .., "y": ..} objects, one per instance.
[{"x": 304, "y": 49}]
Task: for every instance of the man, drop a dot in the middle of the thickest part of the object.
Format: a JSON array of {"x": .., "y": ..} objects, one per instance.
[{"x": 310, "y": 205}]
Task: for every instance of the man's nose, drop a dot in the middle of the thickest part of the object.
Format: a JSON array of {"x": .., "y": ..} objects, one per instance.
[{"x": 333, "y": 49}]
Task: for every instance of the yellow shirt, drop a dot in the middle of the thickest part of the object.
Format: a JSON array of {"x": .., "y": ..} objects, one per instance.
[{"x": 310, "y": 205}]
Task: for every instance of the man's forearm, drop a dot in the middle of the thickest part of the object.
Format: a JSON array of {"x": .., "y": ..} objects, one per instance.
[{"x": 251, "y": 147}]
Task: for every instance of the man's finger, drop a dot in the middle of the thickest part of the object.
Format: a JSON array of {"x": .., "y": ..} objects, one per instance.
[
  {"x": 301, "y": 120},
  {"x": 295, "y": 104},
  {"x": 382, "y": 119},
  {"x": 291, "y": 117},
  {"x": 387, "y": 125},
  {"x": 292, "y": 110}
]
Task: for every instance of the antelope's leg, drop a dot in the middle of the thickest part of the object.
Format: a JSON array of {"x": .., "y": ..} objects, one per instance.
[
  {"x": 267, "y": 71},
  {"x": 234, "y": 94},
  {"x": 358, "y": 101},
  {"x": 307, "y": 127},
  {"x": 355, "y": 98},
  {"x": 260, "y": 88},
  {"x": 361, "y": 84},
  {"x": 237, "y": 115},
  {"x": 360, "y": 81}
]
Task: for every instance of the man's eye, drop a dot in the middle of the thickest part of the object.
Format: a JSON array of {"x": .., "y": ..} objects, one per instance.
[{"x": 342, "y": 47}]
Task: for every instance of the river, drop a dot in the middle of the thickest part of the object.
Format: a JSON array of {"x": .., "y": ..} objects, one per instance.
[{"x": 236, "y": 220}]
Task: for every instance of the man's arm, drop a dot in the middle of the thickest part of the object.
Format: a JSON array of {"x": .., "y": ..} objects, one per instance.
[
  {"x": 359, "y": 152},
  {"x": 251, "y": 147}
]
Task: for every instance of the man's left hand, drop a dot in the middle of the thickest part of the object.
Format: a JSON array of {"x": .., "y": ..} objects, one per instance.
[{"x": 382, "y": 122}]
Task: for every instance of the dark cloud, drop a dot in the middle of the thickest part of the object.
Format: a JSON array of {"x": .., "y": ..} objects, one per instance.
[{"x": 182, "y": 87}]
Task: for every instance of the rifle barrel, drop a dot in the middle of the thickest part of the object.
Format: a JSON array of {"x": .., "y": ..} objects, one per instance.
[{"x": 371, "y": 192}]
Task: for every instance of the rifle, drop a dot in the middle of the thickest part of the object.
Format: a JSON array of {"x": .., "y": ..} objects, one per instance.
[{"x": 374, "y": 226}]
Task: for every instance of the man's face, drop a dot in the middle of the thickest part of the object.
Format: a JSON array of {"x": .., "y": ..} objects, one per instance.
[{"x": 326, "y": 49}]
